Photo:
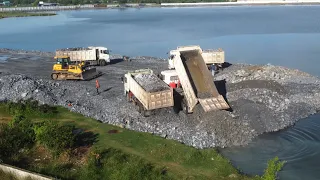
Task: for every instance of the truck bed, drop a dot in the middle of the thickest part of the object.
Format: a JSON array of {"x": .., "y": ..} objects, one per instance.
[
  {"x": 198, "y": 74},
  {"x": 77, "y": 54},
  {"x": 197, "y": 81},
  {"x": 151, "y": 91},
  {"x": 211, "y": 56}
]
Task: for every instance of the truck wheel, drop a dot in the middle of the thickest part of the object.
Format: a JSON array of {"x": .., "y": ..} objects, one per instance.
[
  {"x": 102, "y": 62},
  {"x": 146, "y": 113},
  {"x": 137, "y": 106},
  {"x": 128, "y": 97},
  {"x": 141, "y": 109},
  {"x": 184, "y": 106},
  {"x": 175, "y": 110}
]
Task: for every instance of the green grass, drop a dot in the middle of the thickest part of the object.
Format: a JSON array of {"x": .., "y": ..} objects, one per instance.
[
  {"x": 128, "y": 154},
  {"x": 23, "y": 14},
  {"x": 180, "y": 160}
]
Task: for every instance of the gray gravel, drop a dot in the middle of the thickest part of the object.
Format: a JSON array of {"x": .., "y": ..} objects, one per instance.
[
  {"x": 150, "y": 82},
  {"x": 263, "y": 99}
]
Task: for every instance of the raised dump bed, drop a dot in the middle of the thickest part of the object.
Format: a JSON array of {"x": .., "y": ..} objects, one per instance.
[
  {"x": 196, "y": 80},
  {"x": 147, "y": 91}
]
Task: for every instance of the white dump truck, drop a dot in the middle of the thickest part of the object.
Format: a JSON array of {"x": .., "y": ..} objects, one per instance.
[
  {"x": 210, "y": 57},
  {"x": 147, "y": 91},
  {"x": 90, "y": 55},
  {"x": 195, "y": 81}
]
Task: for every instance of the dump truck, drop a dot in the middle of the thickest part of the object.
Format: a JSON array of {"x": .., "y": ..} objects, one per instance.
[
  {"x": 211, "y": 57},
  {"x": 197, "y": 84},
  {"x": 147, "y": 91},
  {"x": 64, "y": 69},
  {"x": 90, "y": 55}
]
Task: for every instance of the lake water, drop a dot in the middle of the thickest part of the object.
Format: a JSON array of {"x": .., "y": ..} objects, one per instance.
[{"x": 281, "y": 35}]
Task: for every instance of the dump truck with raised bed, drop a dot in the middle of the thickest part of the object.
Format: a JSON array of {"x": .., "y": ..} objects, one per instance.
[
  {"x": 147, "y": 91},
  {"x": 211, "y": 57},
  {"x": 197, "y": 84},
  {"x": 90, "y": 55}
]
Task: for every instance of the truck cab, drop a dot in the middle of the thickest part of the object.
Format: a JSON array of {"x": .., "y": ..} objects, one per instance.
[
  {"x": 62, "y": 62},
  {"x": 171, "y": 78},
  {"x": 102, "y": 53},
  {"x": 171, "y": 58},
  {"x": 212, "y": 58}
]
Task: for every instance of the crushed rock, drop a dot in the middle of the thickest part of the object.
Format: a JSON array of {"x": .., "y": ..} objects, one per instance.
[
  {"x": 263, "y": 99},
  {"x": 151, "y": 83}
]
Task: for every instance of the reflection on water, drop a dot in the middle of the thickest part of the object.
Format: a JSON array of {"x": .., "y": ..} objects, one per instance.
[
  {"x": 299, "y": 146},
  {"x": 281, "y": 35}
]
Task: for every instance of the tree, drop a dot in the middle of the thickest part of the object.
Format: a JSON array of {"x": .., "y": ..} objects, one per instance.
[{"x": 123, "y": 1}]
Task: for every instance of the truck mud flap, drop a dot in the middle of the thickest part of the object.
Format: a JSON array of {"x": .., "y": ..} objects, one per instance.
[
  {"x": 90, "y": 74},
  {"x": 214, "y": 103}
]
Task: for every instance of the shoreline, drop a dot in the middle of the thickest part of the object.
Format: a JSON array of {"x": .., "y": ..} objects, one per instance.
[
  {"x": 162, "y": 5},
  {"x": 241, "y": 3},
  {"x": 13, "y": 14}
]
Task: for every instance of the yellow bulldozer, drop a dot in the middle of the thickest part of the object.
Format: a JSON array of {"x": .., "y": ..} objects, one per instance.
[{"x": 64, "y": 69}]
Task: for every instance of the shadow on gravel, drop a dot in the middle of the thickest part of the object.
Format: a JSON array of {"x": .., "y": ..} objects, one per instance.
[
  {"x": 226, "y": 65},
  {"x": 86, "y": 139},
  {"x": 108, "y": 89},
  {"x": 177, "y": 101},
  {"x": 115, "y": 61},
  {"x": 222, "y": 89}
]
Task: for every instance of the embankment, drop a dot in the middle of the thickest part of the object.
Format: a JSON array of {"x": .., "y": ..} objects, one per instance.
[{"x": 263, "y": 98}]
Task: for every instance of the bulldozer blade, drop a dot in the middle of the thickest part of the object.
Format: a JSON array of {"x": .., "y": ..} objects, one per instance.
[{"x": 90, "y": 74}]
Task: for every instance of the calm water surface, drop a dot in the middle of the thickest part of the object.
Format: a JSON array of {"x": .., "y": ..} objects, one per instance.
[{"x": 281, "y": 35}]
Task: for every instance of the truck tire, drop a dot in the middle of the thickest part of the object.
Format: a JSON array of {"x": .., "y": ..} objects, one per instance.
[
  {"x": 146, "y": 113},
  {"x": 128, "y": 97},
  {"x": 102, "y": 62},
  {"x": 184, "y": 106},
  {"x": 137, "y": 106},
  {"x": 176, "y": 109}
]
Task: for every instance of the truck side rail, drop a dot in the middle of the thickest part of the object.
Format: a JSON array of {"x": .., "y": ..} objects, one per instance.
[
  {"x": 138, "y": 91},
  {"x": 189, "y": 94}
]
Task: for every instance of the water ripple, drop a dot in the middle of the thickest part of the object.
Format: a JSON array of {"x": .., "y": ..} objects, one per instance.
[{"x": 299, "y": 146}]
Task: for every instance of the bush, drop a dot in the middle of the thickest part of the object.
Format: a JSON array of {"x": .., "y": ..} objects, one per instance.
[
  {"x": 17, "y": 135},
  {"x": 31, "y": 108},
  {"x": 274, "y": 166},
  {"x": 55, "y": 137}
]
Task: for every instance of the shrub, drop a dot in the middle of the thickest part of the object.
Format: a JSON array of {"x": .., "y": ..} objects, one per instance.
[
  {"x": 54, "y": 136},
  {"x": 274, "y": 166},
  {"x": 30, "y": 107},
  {"x": 17, "y": 135}
]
